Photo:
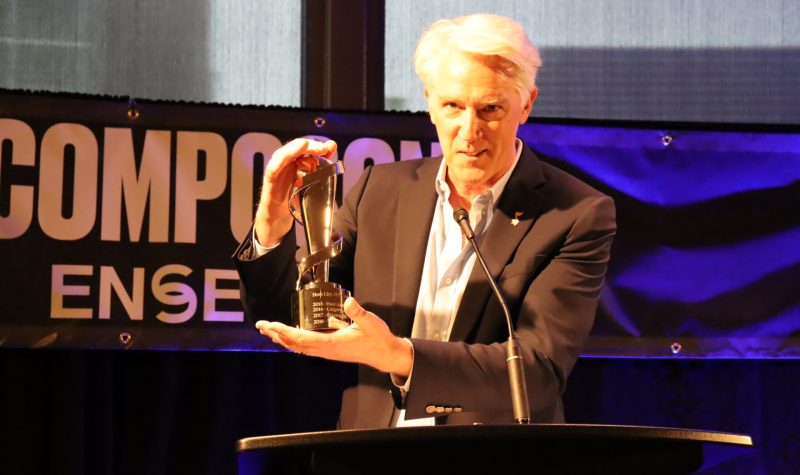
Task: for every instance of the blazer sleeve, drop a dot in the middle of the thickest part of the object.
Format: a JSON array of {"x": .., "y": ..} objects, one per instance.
[
  {"x": 266, "y": 283},
  {"x": 553, "y": 320}
]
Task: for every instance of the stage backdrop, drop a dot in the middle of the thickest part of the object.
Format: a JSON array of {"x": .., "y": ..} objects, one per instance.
[{"x": 118, "y": 219}]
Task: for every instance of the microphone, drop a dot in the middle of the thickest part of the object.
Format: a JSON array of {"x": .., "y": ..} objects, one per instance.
[{"x": 516, "y": 373}]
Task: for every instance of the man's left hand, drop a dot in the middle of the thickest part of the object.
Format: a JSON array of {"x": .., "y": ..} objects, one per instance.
[{"x": 368, "y": 340}]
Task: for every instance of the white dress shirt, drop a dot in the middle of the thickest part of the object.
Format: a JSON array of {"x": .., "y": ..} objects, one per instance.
[{"x": 448, "y": 263}]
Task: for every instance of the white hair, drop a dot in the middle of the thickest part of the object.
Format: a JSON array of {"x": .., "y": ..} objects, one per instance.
[{"x": 498, "y": 39}]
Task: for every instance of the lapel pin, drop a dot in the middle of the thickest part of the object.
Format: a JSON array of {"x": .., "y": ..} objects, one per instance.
[{"x": 515, "y": 221}]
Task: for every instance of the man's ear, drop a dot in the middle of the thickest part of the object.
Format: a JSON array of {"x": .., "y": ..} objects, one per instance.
[
  {"x": 529, "y": 105},
  {"x": 428, "y": 102}
]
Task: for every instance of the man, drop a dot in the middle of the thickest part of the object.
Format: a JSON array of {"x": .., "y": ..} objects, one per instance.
[{"x": 546, "y": 237}]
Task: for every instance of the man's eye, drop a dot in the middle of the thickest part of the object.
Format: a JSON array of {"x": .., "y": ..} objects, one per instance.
[
  {"x": 450, "y": 105},
  {"x": 492, "y": 108}
]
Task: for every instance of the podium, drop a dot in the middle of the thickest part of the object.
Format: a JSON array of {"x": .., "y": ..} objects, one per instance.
[{"x": 489, "y": 449}]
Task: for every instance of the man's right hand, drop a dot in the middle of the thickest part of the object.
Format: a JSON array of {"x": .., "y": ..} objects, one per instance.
[{"x": 273, "y": 219}]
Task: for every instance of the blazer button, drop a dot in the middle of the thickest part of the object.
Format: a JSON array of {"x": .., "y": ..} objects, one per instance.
[
  {"x": 448, "y": 409},
  {"x": 439, "y": 409},
  {"x": 430, "y": 409},
  {"x": 457, "y": 409}
]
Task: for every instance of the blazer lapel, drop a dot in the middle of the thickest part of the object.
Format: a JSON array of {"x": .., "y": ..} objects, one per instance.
[
  {"x": 412, "y": 228},
  {"x": 520, "y": 201}
]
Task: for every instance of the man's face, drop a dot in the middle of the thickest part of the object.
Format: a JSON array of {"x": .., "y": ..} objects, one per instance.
[{"x": 476, "y": 111}]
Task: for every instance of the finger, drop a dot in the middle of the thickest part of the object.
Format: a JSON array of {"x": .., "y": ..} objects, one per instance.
[
  {"x": 276, "y": 338},
  {"x": 331, "y": 148},
  {"x": 262, "y": 324},
  {"x": 297, "y": 340},
  {"x": 357, "y": 313},
  {"x": 285, "y": 163},
  {"x": 324, "y": 149},
  {"x": 286, "y": 155},
  {"x": 263, "y": 327},
  {"x": 285, "y": 332},
  {"x": 306, "y": 164},
  {"x": 267, "y": 328}
]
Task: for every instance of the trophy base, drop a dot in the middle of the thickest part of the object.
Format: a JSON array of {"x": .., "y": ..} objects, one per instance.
[{"x": 318, "y": 306}]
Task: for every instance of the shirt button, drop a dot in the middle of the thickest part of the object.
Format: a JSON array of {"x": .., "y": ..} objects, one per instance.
[{"x": 448, "y": 280}]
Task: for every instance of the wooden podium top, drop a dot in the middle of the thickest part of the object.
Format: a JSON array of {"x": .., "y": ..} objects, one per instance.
[
  {"x": 485, "y": 448},
  {"x": 512, "y": 431}
]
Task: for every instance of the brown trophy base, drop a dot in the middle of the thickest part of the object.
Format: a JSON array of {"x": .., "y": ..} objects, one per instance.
[{"x": 318, "y": 307}]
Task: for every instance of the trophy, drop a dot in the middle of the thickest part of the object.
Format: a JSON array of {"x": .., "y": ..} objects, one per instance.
[{"x": 317, "y": 303}]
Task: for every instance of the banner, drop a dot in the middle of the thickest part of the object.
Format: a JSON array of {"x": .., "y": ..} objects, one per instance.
[{"x": 117, "y": 222}]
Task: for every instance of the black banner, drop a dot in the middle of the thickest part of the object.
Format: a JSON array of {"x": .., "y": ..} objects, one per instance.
[{"x": 117, "y": 222}]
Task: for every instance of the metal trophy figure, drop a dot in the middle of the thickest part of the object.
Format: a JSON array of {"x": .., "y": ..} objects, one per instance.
[{"x": 317, "y": 303}]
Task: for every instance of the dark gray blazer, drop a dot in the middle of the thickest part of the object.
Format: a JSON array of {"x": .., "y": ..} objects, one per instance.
[{"x": 550, "y": 267}]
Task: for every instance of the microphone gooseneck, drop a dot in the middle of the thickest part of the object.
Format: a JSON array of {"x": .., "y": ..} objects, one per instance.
[{"x": 516, "y": 373}]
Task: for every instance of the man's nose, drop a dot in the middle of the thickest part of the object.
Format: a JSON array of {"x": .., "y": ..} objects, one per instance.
[{"x": 470, "y": 125}]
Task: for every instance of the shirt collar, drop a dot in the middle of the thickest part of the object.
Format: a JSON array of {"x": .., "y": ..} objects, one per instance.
[{"x": 443, "y": 189}]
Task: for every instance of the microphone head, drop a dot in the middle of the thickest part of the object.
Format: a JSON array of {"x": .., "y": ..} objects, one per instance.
[{"x": 462, "y": 218}]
